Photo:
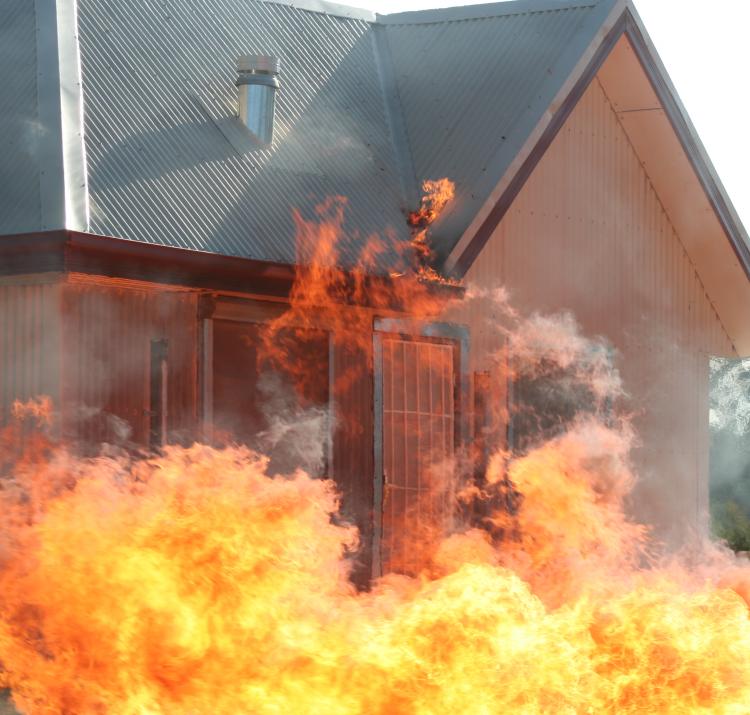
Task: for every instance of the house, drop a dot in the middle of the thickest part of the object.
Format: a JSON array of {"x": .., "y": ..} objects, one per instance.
[{"x": 148, "y": 220}]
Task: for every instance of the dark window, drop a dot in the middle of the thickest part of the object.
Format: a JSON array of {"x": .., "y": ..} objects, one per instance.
[{"x": 546, "y": 399}]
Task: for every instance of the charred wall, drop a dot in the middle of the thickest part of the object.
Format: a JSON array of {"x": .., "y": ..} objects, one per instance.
[
  {"x": 332, "y": 377},
  {"x": 353, "y": 448}
]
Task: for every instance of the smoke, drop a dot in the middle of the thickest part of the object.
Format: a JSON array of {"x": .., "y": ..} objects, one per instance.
[
  {"x": 730, "y": 395},
  {"x": 730, "y": 451},
  {"x": 296, "y": 437}
]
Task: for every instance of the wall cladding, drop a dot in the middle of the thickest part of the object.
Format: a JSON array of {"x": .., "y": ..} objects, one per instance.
[
  {"x": 107, "y": 361},
  {"x": 588, "y": 234},
  {"x": 29, "y": 343}
]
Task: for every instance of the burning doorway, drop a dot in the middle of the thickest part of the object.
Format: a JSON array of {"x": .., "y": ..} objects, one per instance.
[{"x": 419, "y": 393}]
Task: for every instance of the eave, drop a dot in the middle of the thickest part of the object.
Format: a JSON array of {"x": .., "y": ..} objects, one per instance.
[{"x": 67, "y": 252}]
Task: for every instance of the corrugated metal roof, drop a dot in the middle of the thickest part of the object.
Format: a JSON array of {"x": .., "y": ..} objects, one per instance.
[
  {"x": 162, "y": 139},
  {"x": 473, "y": 90},
  {"x": 20, "y": 206},
  {"x": 369, "y": 107},
  {"x": 167, "y": 159}
]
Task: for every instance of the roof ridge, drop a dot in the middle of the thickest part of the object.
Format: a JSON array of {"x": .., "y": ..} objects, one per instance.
[
  {"x": 481, "y": 11},
  {"x": 445, "y": 14},
  {"x": 324, "y": 7}
]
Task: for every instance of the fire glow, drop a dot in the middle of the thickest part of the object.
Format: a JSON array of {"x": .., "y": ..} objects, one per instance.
[{"x": 195, "y": 582}]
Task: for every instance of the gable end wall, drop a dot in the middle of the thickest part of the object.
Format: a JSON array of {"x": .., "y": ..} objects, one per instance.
[{"x": 588, "y": 234}]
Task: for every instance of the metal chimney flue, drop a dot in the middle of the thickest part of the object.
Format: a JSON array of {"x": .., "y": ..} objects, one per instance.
[{"x": 257, "y": 82}]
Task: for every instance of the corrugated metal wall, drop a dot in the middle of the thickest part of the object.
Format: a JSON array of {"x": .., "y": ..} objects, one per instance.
[
  {"x": 106, "y": 364},
  {"x": 588, "y": 234},
  {"x": 29, "y": 343}
]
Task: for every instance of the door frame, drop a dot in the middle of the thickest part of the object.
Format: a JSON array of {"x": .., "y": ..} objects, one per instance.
[{"x": 414, "y": 329}]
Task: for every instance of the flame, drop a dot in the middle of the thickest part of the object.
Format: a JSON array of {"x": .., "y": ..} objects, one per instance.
[
  {"x": 195, "y": 581},
  {"x": 38, "y": 409},
  {"x": 436, "y": 196},
  {"x": 345, "y": 301}
]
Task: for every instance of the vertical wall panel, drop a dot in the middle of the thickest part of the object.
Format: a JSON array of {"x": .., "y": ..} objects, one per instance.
[
  {"x": 588, "y": 234},
  {"x": 106, "y": 361},
  {"x": 29, "y": 343}
]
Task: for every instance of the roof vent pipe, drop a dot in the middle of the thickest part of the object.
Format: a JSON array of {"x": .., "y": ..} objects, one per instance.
[{"x": 257, "y": 82}]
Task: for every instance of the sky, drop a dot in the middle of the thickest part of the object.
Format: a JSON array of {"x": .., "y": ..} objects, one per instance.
[{"x": 704, "y": 46}]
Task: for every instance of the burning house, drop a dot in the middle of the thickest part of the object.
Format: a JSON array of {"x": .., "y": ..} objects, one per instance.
[
  {"x": 245, "y": 245},
  {"x": 170, "y": 172}
]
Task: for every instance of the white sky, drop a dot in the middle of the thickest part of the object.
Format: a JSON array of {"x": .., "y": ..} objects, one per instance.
[{"x": 704, "y": 45}]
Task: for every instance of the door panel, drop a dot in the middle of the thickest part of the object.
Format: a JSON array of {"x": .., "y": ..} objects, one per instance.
[{"x": 419, "y": 433}]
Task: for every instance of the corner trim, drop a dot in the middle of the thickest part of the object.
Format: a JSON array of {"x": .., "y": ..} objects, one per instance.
[
  {"x": 63, "y": 182},
  {"x": 75, "y": 175},
  {"x": 51, "y": 170}
]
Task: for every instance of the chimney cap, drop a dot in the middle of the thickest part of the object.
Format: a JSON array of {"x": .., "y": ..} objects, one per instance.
[{"x": 262, "y": 64}]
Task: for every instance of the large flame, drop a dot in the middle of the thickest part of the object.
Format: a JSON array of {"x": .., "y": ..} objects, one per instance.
[{"x": 194, "y": 582}]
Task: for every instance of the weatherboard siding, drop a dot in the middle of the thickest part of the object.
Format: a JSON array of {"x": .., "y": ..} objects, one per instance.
[{"x": 588, "y": 234}]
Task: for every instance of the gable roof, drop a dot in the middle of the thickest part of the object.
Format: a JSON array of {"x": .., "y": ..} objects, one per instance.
[
  {"x": 124, "y": 125},
  {"x": 473, "y": 84}
]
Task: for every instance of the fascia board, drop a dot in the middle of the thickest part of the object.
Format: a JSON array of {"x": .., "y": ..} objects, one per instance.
[{"x": 688, "y": 137}]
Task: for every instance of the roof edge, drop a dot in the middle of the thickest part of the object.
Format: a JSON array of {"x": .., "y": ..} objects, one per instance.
[
  {"x": 688, "y": 137},
  {"x": 447, "y": 14},
  {"x": 481, "y": 11},
  {"x": 609, "y": 28},
  {"x": 64, "y": 252}
]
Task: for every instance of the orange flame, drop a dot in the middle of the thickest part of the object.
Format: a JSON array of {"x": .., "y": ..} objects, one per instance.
[
  {"x": 38, "y": 409},
  {"x": 344, "y": 301},
  {"x": 436, "y": 196},
  {"x": 195, "y": 583}
]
